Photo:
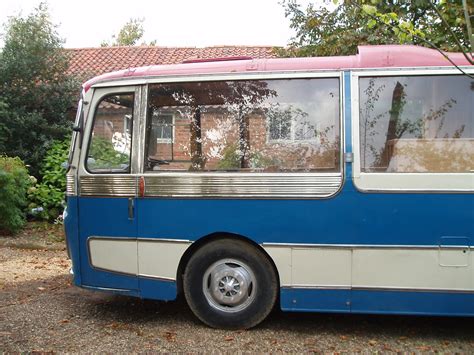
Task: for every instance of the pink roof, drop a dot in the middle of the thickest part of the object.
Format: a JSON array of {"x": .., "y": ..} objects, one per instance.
[{"x": 397, "y": 56}]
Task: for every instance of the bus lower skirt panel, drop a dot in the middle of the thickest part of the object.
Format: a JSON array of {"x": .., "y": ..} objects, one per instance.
[{"x": 378, "y": 301}]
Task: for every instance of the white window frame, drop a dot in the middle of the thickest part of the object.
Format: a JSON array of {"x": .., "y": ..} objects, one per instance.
[
  {"x": 173, "y": 124},
  {"x": 292, "y": 138},
  {"x": 399, "y": 182}
]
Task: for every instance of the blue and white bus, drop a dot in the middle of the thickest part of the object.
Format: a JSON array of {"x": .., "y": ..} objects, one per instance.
[{"x": 336, "y": 184}]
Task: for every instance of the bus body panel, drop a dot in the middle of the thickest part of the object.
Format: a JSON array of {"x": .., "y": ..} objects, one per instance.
[
  {"x": 397, "y": 252},
  {"x": 106, "y": 218}
]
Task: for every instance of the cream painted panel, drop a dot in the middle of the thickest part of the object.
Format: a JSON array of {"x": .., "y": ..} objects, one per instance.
[
  {"x": 160, "y": 258},
  {"x": 114, "y": 255},
  {"x": 416, "y": 268},
  {"x": 282, "y": 258},
  {"x": 454, "y": 257},
  {"x": 321, "y": 267}
]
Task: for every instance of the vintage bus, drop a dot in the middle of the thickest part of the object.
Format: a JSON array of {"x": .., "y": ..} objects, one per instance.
[{"x": 331, "y": 184}]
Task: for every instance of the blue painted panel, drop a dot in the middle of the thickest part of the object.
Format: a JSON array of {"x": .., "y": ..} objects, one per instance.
[
  {"x": 105, "y": 217},
  {"x": 71, "y": 229},
  {"x": 378, "y": 302},
  {"x": 157, "y": 289},
  {"x": 315, "y": 300},
  {"x": 423, "y": 303},
  {"x": 349, "y": 218}
]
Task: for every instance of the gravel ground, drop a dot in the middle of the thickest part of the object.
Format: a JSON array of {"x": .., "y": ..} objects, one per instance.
[{"x": 41, "y": 311}]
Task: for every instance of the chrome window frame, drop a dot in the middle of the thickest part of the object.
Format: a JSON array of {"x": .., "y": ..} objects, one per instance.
[
  {"x": 97, "y": 98},
  {"x": 240, "y": 185},
  {"x": 212, "y": 185},
  {"x": 337, "y": 74},
  {"x": 401, "y": 182}
]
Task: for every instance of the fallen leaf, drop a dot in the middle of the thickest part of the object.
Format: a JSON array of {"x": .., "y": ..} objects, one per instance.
[
  {"x": 64, "y": 321},
  {"x": 228, "y": 338},
  {"x": 170, "y": 336},
  {"x": 41, "y": 288},
  {"x": 372, "y": 342},
  {"x": 423, "y": 348},
  {"x": 343, "y": 337}
]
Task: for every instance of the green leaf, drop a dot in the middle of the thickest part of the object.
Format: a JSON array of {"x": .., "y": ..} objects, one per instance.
[
  {"x": 369, "y": 9},
  {"x": 371, "y": 23}
]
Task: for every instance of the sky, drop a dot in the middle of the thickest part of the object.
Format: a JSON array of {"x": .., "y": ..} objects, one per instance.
[{"x": 172, "y": 23}]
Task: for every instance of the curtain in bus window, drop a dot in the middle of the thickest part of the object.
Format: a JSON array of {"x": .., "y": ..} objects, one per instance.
[
  {"x": 249, "y": 126},
  {"x": 417, "y": 124}
]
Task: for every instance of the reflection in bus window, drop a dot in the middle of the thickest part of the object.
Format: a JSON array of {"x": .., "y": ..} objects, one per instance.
[
  {"x": 248, "y": 126},
  {"x": 110, "y": 145},
  {"x": 417, "y": 124}
]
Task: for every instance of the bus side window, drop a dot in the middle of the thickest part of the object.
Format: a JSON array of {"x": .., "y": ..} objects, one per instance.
[
  {"x": 110, "y": 143},
  {"x": 283, "y": 125},
  {"x": 417, "y": 124}
]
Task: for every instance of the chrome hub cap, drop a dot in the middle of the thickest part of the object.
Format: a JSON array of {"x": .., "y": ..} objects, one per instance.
[{"x": 229, "y": 285}]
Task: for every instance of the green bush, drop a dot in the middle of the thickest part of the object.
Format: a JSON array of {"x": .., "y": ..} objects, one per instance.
[
  {"x": 48, "y": 196},
  {"x": 103, "y": 155},
  {"x": 36, "y": 91},
  {"x": 14, "y": 183}
]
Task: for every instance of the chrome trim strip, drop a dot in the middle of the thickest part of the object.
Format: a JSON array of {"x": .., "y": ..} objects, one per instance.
[
  {"x": 136, "y": 158},
  {"x": 71, "y": 184},
  {"x": 244, "y": 75},
  {"x": 155, "y": 240},
  {"x": 163, "y": 240},
  {"x": 262, "y": 75},
  {"x": 108, "y": 185},
  {"x": 365, "y": 246},
  {"x": 258, "y": 185},
  {"x": 317, "y": 287},
  {"x": 376, "y": 288},
  {"x": 158, "y": 278},
  {"x": 410, "y": 289},
  {"x": 106, "y": 289}
]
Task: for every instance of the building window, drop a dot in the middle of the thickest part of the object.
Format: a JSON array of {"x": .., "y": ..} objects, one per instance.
[
  {"x": 291, "y": 124},
  {"x": 162, "y": 126}
]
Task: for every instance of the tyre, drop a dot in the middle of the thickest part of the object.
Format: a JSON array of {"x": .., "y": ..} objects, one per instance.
[{"x": 230, "y": 284}]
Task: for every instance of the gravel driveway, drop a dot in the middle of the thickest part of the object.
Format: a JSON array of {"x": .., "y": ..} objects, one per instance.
[{"x": 41, "y": 311}]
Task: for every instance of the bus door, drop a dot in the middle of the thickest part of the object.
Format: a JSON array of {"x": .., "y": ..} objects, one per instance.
[{"x": 107, "y": 192}]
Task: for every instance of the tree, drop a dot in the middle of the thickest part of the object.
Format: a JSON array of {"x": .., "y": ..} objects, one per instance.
[
  {"x": 129, "y": 35},
  {"x": 35, "y": 91},
  {"x": 320, "y": 31},
  {"x": 448, "y": 17}
]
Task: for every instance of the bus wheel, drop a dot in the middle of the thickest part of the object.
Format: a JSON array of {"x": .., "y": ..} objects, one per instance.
[{"x": 230, "y": 284}]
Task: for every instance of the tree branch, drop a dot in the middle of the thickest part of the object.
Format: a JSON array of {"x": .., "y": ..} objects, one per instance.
[
  {"x": 431, "y": 44},
  {"x": 448, "y": 27},
  {"x": 468, "y": 25}
]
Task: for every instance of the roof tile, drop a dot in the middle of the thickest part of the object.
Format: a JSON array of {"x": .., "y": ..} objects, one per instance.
[{"x": 89, "y": 62}]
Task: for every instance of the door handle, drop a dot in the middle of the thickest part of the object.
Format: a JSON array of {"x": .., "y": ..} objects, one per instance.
[{"x": 131, "y": 208}]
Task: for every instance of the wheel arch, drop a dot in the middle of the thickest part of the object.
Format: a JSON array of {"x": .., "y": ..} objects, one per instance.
[{"x": 213, "y": 237}]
